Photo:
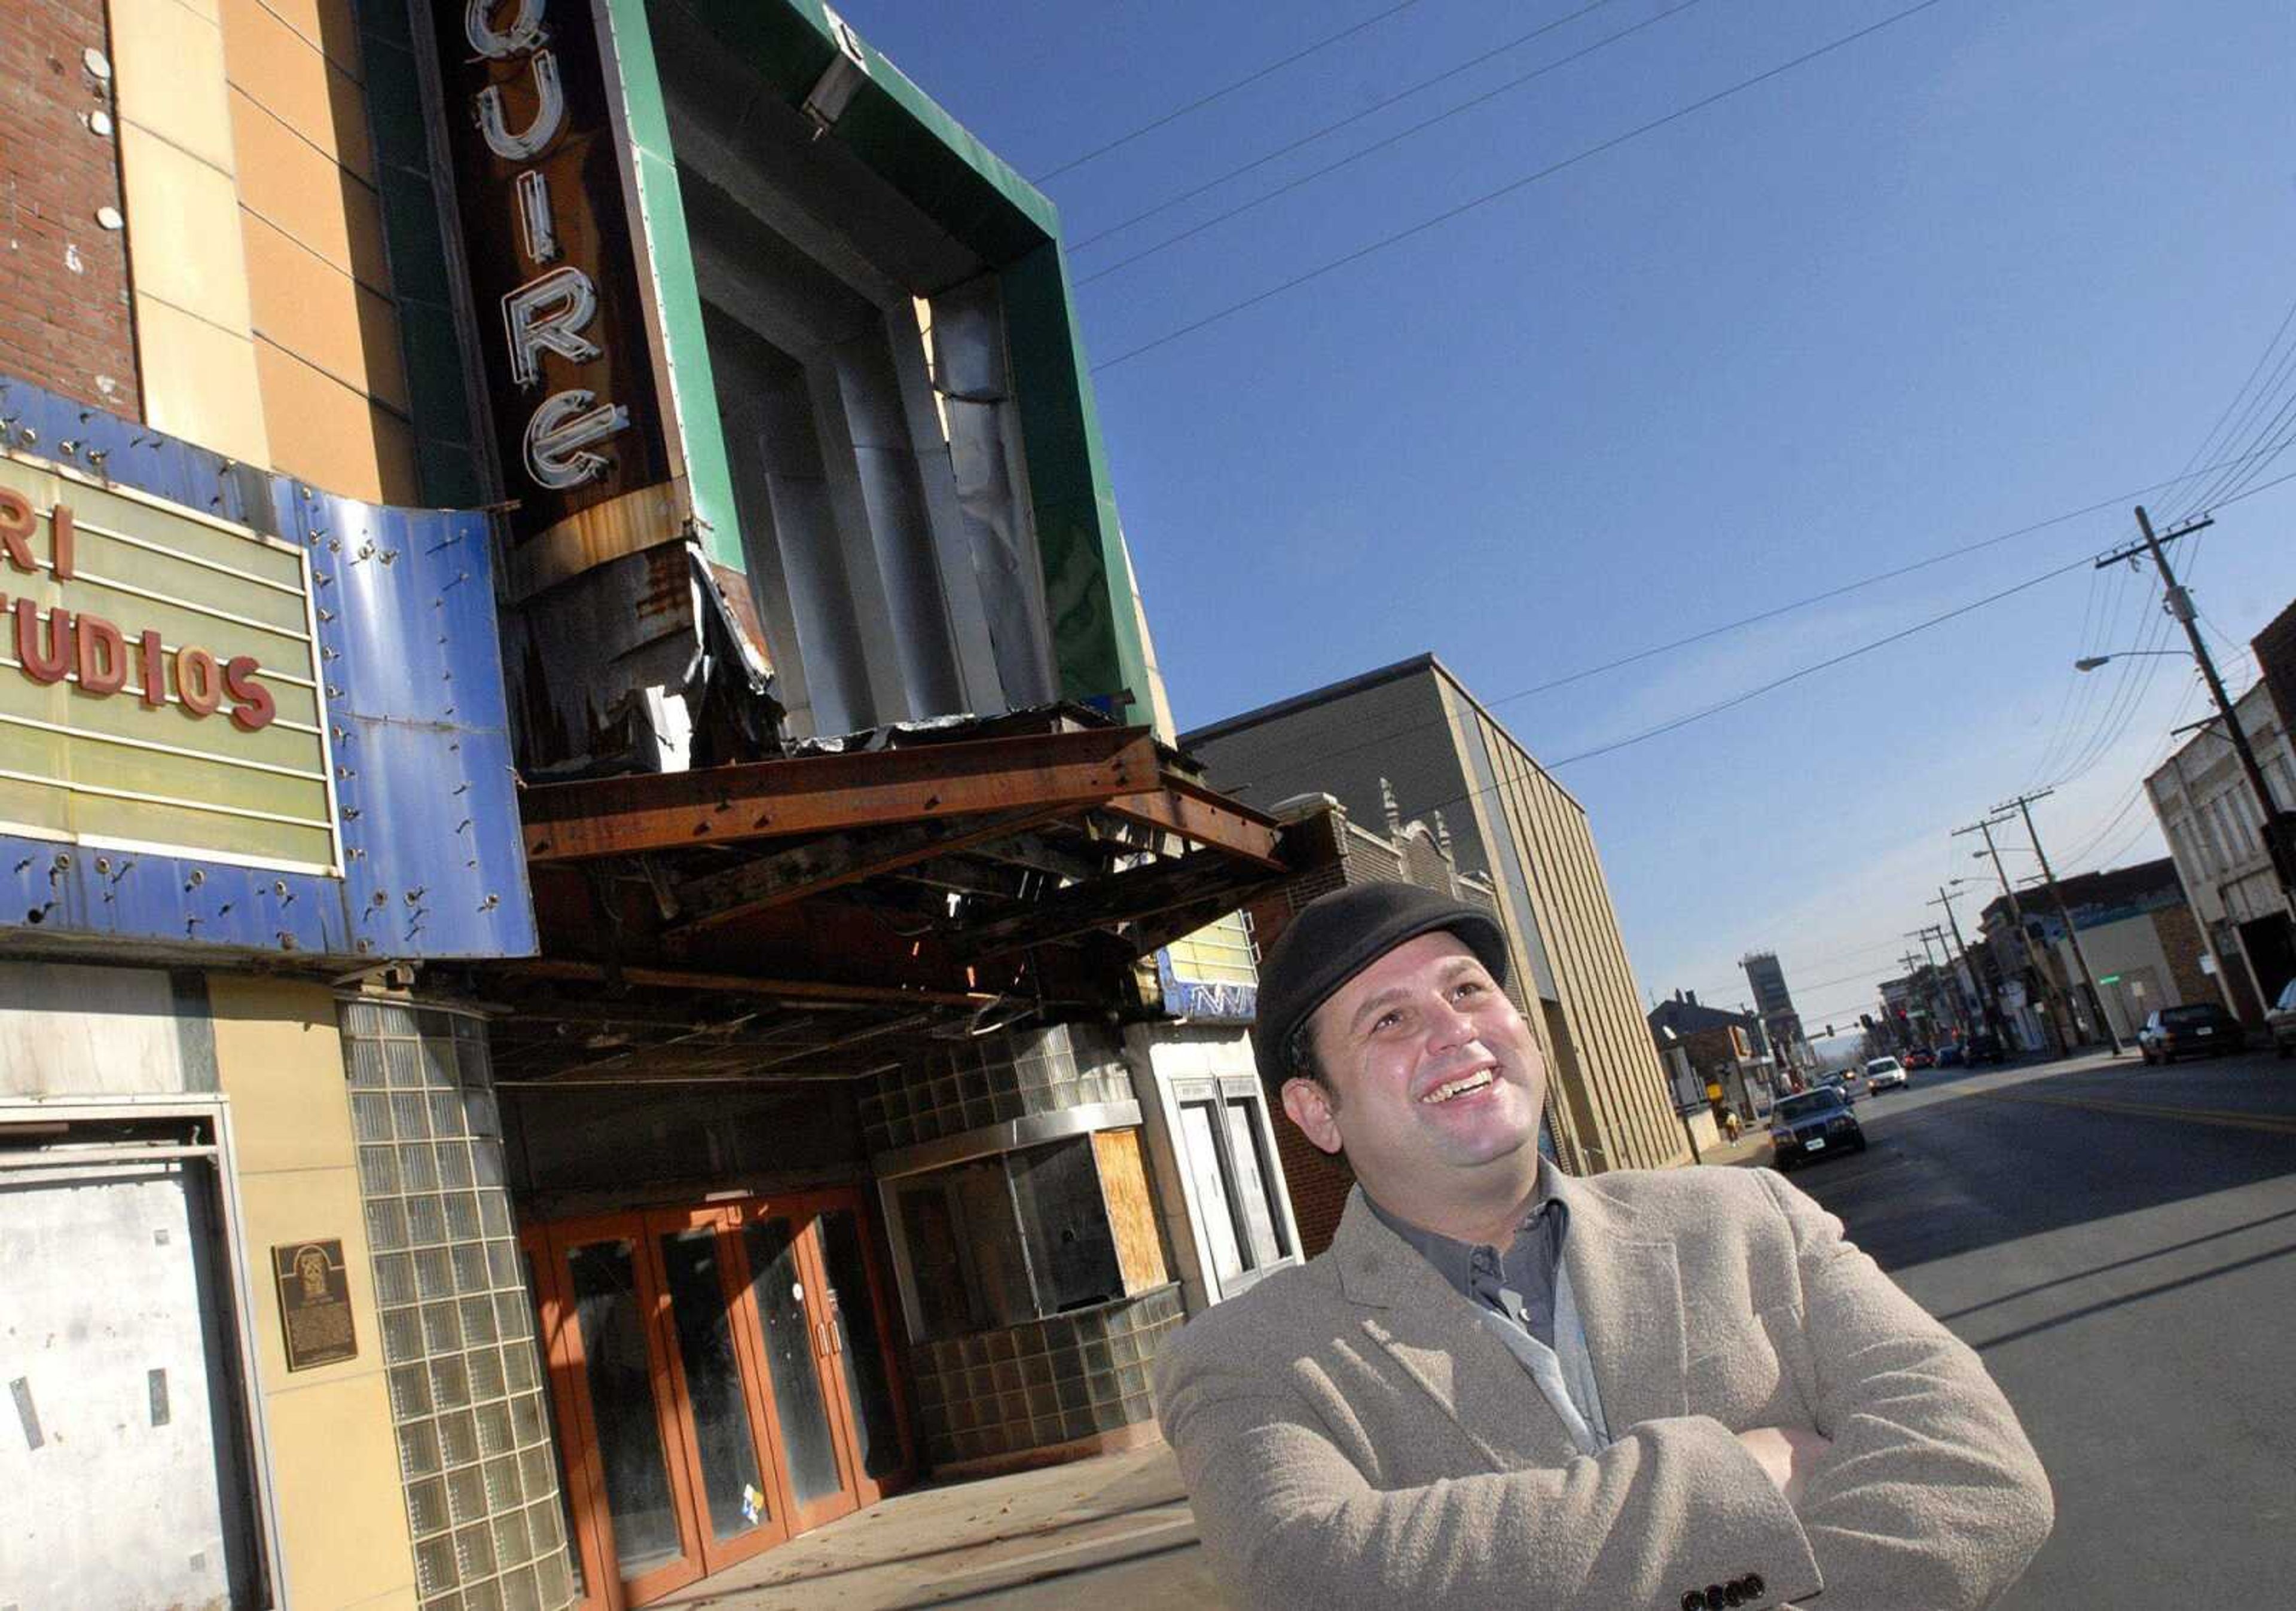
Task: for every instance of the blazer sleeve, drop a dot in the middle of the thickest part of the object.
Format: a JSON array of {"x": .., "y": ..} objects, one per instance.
[
  {"x": 1673, "y": 1509},
  {"x": 1932, "y": 1495}
]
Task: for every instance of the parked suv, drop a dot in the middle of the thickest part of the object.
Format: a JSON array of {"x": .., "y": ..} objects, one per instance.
[
  {"x": 2282, "y": 1021},
  {"x": 2200, "y": 1029}
]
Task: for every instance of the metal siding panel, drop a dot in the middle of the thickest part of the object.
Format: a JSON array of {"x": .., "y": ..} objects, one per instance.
[
  {"x": 666, "y": 255},
  {"x": 401, "y": 758}
]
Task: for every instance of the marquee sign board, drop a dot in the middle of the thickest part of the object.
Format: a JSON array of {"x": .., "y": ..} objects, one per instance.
[
  {"x": 160, "y": 677},
  {"x": 546, "y": 212}
]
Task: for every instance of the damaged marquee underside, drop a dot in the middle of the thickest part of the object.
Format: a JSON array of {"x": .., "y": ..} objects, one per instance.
[{"x": 808, "y": 918}]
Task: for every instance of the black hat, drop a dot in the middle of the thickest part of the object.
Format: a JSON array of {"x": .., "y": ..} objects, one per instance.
[{"x": 1336, "y": 937}]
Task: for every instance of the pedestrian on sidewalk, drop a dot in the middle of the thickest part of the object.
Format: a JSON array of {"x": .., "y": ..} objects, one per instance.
[{"x": 1504, "y": 1387}]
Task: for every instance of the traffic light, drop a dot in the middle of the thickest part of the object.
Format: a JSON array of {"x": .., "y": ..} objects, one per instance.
[{"x": 1829, "y": 1032}]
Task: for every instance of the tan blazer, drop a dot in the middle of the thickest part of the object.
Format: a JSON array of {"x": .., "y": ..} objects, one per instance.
[{"x": 1351, "y": 1434}]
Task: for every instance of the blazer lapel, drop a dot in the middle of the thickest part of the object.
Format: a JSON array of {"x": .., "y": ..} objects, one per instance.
[
  {"x": 1628, "y": 1290},
  {"x": 1435, "y": 1336}
]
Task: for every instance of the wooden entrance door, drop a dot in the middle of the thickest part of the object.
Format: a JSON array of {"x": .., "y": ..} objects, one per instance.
[
  {"x": 823, "y": 1333},
  {"x": 669, "y": 1453},
  {"x": 722, "y": 1380}
]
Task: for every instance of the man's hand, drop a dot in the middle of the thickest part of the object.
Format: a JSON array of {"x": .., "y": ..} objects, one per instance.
[{"x": 1786, "y": 1454}]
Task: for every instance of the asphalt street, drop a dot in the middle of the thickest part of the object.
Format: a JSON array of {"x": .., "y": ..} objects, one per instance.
[{"x": 2116, "y": 1241}]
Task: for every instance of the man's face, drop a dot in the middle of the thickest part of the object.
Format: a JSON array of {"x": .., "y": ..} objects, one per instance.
[{"x": 1436, "y": 1080}]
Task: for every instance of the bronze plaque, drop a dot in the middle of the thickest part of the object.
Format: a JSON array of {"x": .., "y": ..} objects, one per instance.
[{"x": 315, "y": 1303}]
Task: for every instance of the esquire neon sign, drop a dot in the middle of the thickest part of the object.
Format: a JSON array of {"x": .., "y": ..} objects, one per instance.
[{"x": 551, "y": 312}]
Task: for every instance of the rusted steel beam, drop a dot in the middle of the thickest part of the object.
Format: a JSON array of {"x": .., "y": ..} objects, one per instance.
[
  {"x": 1205, "y": 819},
  {"x": 832, "y": 793},
  {"x": 1123, "y": 897},
  {"x": 1155, "y": 932},
  {"x": 796, "y": 990},
  {"x": 844, "y": 858}
]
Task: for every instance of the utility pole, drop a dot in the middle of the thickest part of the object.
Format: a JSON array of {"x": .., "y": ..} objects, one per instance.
[
  {"x": 1913, "y": 986},
  {"x": 2277, "y": 836},
  {"x": 1950, "y": 985},
  {"x": 2024, "y": 937},
  {"x": 2023, "y": 804},
  {"x": 1945, "y": 898}
]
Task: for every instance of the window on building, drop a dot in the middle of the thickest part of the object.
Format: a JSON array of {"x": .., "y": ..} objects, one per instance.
[
  {"x": 1004, "y": 1240},
  {"x": 1224, "y": 1138}
]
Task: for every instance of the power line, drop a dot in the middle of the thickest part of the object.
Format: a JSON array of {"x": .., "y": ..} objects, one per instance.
[
  {"x": 2118, "y": 500},
  {"x": 1825, "y": 665},
  {"x": 1376, "y": 107},
  {"x": 1807, "y": 671},
  {"x": 1226, "y": 90},
  {"x": 1424, "y": 124},
  {"x": 1508, "y": 189}
]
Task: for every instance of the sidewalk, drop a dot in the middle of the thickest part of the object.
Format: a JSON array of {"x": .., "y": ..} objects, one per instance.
[
  {"x": 971, "y": 1540},
  {"x": 1750, "y": 1151}
]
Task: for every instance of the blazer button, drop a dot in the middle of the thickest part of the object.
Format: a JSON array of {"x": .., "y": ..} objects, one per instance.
[
  {"x": 1716, "y": 1597},
  {"x": 1753, "y": 1585},
  {"x": 1734, "y": 1594},
  {"x": 1694, "y": 1601}
]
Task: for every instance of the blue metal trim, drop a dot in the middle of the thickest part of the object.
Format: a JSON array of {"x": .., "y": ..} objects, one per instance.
[
  {"x": 418, "y": 726},
  {"x": 1202, "y": 1000}
]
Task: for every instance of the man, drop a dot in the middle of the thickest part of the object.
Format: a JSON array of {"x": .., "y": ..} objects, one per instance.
[{"x": 1503, "y": 1387}]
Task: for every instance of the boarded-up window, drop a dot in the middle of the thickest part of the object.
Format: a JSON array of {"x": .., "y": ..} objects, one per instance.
[{"x": 1131, "y": 1210}]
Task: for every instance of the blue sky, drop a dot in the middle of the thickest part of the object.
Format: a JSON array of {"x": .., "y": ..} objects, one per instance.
[{"x": 1997, "y": 262}]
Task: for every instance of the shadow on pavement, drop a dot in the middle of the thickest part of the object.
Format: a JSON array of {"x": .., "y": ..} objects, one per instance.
[{"x": 1958, "y": 1172}]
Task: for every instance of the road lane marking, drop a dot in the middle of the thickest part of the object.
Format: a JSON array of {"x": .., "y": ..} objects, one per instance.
[{"x": 2229, "y": 1118}]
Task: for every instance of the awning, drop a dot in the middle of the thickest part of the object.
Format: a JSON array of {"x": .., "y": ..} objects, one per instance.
[{"x": 795, "y": 918}]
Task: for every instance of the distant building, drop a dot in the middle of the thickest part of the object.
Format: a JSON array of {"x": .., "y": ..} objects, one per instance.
[
  {"x": 2210, "y": 815},
  {"x": 1719, "y": 1048},
  {"x": 1409, "y": 739},
  {"x": 2137, "y": 932},
  {"x": 1774, "y": 1002}
]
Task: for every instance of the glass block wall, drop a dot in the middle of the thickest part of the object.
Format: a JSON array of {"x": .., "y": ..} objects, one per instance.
[{"x": 466, "y": 1381}]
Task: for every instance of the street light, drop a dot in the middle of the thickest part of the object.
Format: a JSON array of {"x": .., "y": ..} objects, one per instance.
[{"x": 2091, "y": 662}]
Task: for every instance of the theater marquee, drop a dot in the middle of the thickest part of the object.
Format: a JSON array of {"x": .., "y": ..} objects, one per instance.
[
  {"x": 160, "y": 681},
  {"x": 549, "y": 229}
]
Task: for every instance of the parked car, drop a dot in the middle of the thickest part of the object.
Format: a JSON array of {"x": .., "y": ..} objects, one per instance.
[
  {"x": 1812, "y": 1125},
  {"x": 2282, "y": 1021},
  {"x": 1882, "y": 1072},
  {"x": 2196, "y": 1029},
  {"x": 1985, "y": 1047},
  {"x": 1949, "y": 1055}
]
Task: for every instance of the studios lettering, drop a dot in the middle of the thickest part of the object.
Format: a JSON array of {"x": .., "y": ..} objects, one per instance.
[
  {"x": 547, "y": 228},
  {"x": 96, "y": 655}
]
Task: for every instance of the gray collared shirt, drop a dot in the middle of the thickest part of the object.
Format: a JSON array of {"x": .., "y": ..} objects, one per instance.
[
  {"x": 1524, "y": 1295},
  {"x": 1482, "y": 1274}
]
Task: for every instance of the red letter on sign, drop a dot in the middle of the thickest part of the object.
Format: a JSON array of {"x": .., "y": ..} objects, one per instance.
[
  {"x": 103, "y": 656},
  {"x": 155, "y": 674},
  {"x": 61, "y": 532},
  {"x": 50, "y": 667},
  {"x": 252, "y": 706},
  {"x": 197, "y": 684},
  {"x": 16, "y": 527}
]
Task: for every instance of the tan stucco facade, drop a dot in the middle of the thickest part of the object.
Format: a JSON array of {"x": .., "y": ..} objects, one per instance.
[
  {"x": 333, "y": 1461},
  {"x": 264, "y": 325}
]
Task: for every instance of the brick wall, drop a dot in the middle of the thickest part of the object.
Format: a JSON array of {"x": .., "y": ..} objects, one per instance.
[
  {"x": 2180, "y": 938},
  {"x": 64, "y": 319}
]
